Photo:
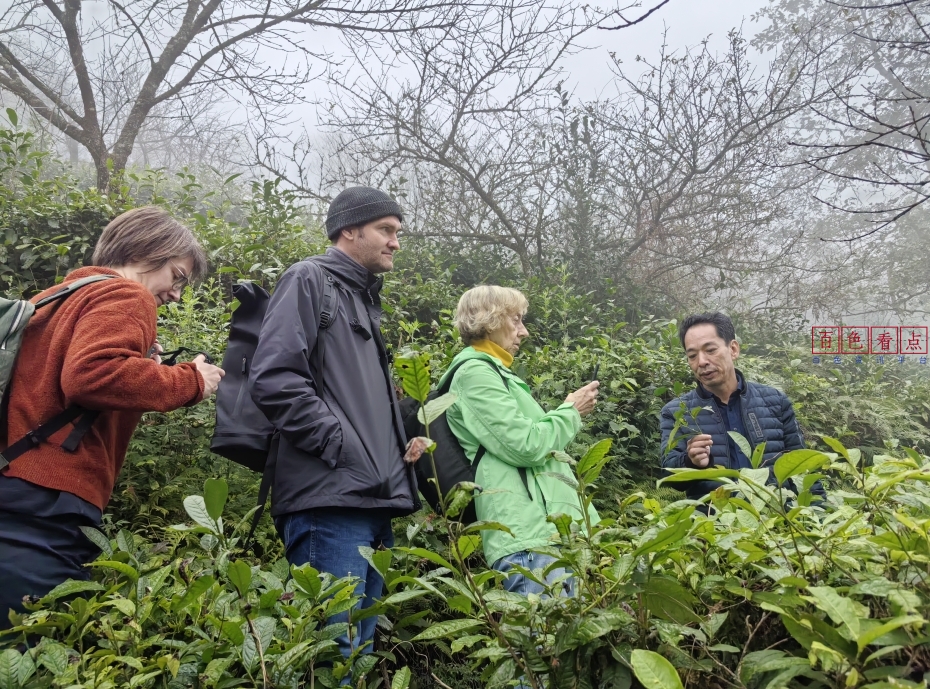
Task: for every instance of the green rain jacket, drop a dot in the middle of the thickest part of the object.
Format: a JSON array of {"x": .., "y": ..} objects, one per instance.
[{"x": 518, "y": 437}]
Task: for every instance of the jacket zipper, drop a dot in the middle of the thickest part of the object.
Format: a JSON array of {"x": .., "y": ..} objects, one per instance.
[
  {"x": 726, "y": 445},
  {"x": 21, "y": 309}
]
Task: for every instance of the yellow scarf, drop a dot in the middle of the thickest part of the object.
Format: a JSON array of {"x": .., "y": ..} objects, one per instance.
[{"x": 498, "y": 352}]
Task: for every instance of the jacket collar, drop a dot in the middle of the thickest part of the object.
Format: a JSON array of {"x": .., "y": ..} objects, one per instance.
[
  {"x": 349, "y": 271},
  {"x": 741, "y": 387}
]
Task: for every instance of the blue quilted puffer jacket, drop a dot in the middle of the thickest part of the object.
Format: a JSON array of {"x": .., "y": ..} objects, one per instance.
[{"x": 767, "y": 416}]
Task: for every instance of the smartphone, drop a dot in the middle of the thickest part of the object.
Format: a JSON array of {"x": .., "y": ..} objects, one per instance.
[{"x": 597, "y": 367}]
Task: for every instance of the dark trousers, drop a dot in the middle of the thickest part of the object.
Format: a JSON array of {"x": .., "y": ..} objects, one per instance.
[{"x": 41, "y": 543}]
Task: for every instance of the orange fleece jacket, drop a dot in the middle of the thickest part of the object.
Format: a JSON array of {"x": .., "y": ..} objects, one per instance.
[{"x": 91, "y": 350}]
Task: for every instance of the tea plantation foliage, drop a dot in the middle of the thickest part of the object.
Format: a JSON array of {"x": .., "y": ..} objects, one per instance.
[{"x": 768, "y": 592}]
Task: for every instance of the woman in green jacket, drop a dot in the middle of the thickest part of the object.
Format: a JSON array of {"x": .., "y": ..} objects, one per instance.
[{"x": 494, "y": 410}]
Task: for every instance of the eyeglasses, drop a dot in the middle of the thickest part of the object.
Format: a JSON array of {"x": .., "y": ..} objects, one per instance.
[{"x": 179, "y": 282}]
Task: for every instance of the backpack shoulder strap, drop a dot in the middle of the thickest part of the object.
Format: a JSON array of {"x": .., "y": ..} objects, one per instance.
[
  {"x": 444, "y": 388},
  {"x": 327, "y": 315},
  {"x": 328, "y": 302},
  {"x": 70, "y": 289}
]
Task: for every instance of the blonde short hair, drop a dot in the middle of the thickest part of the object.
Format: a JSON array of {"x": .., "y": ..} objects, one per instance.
[{"x": 485, "y": 309}]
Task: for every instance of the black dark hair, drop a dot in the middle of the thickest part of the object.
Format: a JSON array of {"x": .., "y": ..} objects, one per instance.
[{"x": 720, "y": 321}]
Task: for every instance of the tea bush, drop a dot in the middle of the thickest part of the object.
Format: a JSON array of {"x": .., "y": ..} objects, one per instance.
[{"x": 766, "y": 591}]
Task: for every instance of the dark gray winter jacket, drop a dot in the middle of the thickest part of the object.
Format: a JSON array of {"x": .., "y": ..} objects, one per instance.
[
  {"x": 768, "y": 416},
  {"x": 341, "y": 446}
]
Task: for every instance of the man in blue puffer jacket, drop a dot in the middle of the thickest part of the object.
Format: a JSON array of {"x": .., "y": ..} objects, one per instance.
[{"x": 727, "y": 402}]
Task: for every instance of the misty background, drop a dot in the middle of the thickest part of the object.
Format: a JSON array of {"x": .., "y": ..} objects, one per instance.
[{"x": 766, "y": 158}]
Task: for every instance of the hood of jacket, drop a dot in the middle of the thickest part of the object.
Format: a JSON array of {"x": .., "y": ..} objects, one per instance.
[{"x": 352, "y": 273}]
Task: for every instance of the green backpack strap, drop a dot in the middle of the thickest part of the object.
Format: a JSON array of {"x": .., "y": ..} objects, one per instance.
[
  {"x": 84, "y": 417},
  {"x": 70, "y": 289}
]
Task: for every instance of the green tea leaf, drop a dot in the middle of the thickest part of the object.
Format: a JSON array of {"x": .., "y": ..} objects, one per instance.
[
  {"x": 121, "y": 567},
  {"x": 836, "y": 446},
  {"x": 435, "y": 408},
  {"x": 70, "y": 588},
  {"x": 665, "y": 538},
  {"x": 682, "y": 475},
  {"x": 467, "y": 544},
  {"x": 654, "y": 671},
  {"x": 841, "y": 610},
  {"x": 435, "y": 558},
  {"x": 447, "y": 628},
  {"x": 868, "y": 637},
  {"x": 125, "y": 541},
  {"x": 798, "y": 462},
  {"x": 196, "y": 508},
  {"x": 233, "y": 632},
  {"x": 54, "y": 658},
  {"x": 307, "y": 579},
  {"x": 240, "y": 575},
  {"x": 379, "y": 559},
  {"x": 414, "y": 375},
  {"x": 487, "y": 526},
  {"x": 215, "y": 492},
  {"x": 9, "y": 662},
  {"x": 587, "y": 628},
  {"x": 401, "y": 679},
  {"x": 193, "y": 593},
  {"x": 594, "y": 455},
  {"x": 742, "y": 444},
  {"x": 97, "y": 537}
]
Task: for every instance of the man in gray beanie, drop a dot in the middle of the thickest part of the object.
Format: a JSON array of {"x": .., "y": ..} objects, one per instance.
[{"x": 321, "y": 375}]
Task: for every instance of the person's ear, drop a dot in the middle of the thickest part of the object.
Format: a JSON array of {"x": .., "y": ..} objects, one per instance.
[
  {"x": 348, "y": 233},
  {"x": 734, "y": 349}
]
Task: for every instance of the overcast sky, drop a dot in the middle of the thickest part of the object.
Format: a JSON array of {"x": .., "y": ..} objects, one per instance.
[{"x": 687, "y": 22}]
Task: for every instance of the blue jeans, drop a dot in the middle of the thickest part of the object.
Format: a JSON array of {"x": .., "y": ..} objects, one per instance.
[
  {"x": 329, "y": 538},
  {"x": 518, "y": 583}
]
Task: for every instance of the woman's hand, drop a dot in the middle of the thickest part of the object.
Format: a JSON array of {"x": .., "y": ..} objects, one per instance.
[
  {"x": 584, "y": 398},
  {"x": 155, "y": 353},
  {"x": 212, "y": 375}
]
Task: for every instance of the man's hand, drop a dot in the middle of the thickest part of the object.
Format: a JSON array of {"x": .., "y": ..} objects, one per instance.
[
  {"x": 699, "y": 450},
  {"x": 212, "y": 375},
  {"x": 415, "y": 449}
]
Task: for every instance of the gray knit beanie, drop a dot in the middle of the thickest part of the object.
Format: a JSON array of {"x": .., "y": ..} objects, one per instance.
[{"x": 357, "y": 206}]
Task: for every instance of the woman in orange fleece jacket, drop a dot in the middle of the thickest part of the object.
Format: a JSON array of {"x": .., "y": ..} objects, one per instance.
[{"x": 96, "y": 351}]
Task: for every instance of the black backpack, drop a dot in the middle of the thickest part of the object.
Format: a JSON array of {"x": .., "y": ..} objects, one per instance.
[
  {"x": 242, "y": 433},
  {"x": 452, "y": 464}
]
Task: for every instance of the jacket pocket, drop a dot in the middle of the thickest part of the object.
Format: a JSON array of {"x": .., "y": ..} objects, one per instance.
[{"x": 353, "y": 454}]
